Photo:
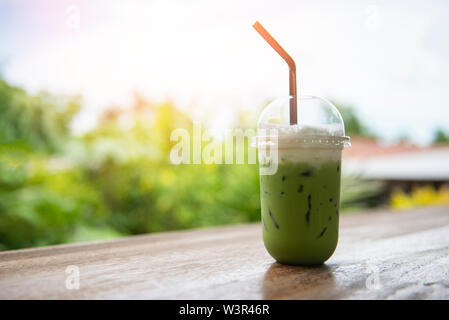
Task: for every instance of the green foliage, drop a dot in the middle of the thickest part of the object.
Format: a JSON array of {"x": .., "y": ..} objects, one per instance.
[
  {"x": 40, "y": 121},
  {"x": 358, "y": 193},
  {"x": 40, "y": 205},
  {"x": 353, "y": 124},
  {"x": 115, "y": 180},
  {"x": 441, "y": 136}
]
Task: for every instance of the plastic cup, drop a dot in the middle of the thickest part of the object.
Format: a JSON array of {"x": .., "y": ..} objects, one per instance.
[{"x": 300, "y": 170}]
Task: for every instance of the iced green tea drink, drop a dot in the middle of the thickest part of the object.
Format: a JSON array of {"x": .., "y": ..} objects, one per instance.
[
  {"x": 300, "y": 141},
  {"x": 300, "y": 194}
]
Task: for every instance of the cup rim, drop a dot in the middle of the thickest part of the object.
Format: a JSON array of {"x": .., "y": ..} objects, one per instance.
[{"x": 301, "y": 141}]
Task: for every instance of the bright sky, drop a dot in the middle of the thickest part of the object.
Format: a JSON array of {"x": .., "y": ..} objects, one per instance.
[{"x": 390, "y": 59}]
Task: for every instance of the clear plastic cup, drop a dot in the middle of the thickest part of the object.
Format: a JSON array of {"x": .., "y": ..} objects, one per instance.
[{"x": 300, "y": 170}]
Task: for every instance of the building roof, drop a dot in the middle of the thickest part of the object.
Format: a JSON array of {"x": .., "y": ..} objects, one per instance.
[
  {"x": 370, "y": 147},
  {"x": 403, "y": 162}
]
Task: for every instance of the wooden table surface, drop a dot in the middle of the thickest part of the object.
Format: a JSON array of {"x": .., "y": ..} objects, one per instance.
[{"x": 381, "y": 255}]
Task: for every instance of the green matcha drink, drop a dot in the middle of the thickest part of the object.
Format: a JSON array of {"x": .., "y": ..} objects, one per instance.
[
  {"x": 300, "y": 193},
  {"x": 300, "y": 204},
  {"x": 300, "y": 139}
]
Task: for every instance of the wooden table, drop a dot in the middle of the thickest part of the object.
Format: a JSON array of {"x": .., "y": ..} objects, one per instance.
[{"x": 381, "y": 255}]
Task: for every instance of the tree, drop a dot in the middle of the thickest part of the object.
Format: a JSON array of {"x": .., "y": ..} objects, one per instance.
[
  {"x": 41, "y": 122},
  {"x": 353, "y": 124},
  {"x": 440, "y": 136}
]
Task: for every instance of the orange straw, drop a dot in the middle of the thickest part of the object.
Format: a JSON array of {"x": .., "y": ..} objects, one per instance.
[{"x": 291, "y": 65}]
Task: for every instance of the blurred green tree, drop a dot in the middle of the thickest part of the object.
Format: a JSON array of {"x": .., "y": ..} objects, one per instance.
[
  {"x": 40, "y": 121},
  {"x": 39, "y": 204},
  {"x": 353, "y": 124},
  {"x": 440, "y": 136}
]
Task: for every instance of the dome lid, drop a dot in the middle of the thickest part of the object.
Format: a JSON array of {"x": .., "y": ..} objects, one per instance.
[{"x": 319, "y": 124}]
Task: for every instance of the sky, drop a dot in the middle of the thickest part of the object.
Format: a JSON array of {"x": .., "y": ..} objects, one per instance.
[{"x": 388, "y": 59}]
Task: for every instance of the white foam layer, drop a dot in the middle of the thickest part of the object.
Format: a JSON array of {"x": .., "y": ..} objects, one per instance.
[
  {"x": 301, "y": 130},
  {"x": 302, "y": 143},
  {"x": 314, "y": 157},
  {"x": 286, "y": 137}
]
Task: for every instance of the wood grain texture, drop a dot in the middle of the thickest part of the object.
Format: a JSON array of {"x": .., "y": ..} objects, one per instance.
[{"x": 407, "y": 252}]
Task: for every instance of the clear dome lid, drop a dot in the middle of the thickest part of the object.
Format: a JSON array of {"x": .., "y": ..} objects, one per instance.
[{"x": 319, "y": 124}]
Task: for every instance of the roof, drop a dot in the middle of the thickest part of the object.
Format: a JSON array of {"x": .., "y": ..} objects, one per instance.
[
  {"x": 370, "y": 147},
  {"x": 402, "y": 162}
]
